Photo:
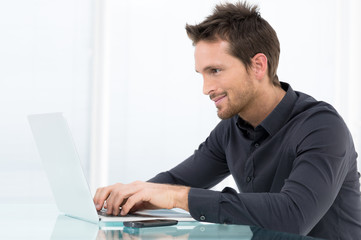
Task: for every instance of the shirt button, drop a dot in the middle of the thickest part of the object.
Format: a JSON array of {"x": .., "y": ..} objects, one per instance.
[
  {"x": 249, "y": 178},
  {"x": 202, "y": 218},
  {"x": 256, "y": 145}
]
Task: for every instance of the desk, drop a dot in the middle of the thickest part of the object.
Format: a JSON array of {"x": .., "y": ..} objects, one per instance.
[{"x": 42, "y": 221}]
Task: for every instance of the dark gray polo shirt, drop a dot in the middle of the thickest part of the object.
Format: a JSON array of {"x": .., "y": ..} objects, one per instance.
[{"x": 296, "y": 172}]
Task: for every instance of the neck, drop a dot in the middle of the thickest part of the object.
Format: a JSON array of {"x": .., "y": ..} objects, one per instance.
[{"x": 265, "y": 102}]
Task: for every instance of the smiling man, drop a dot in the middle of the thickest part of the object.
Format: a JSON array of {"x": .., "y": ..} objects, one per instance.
[
  {"x": 292, "y": 157},
  {"x": 231, "y": 86}
]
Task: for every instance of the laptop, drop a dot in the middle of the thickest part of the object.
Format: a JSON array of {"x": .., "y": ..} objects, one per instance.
[{"x": 67, "y": 181}]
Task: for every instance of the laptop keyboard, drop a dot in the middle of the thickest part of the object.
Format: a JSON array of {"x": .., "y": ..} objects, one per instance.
[{"x": 104, "y": 213}]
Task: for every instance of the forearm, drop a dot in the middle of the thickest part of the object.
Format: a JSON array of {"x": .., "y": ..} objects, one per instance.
[{"x": 272, "y": 211}]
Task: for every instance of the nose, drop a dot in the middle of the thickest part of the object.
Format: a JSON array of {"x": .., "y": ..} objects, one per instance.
[{"x": 208, "y": 86}]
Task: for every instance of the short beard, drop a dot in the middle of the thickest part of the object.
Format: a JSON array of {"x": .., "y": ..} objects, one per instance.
[{"x": 228, "y": 113}]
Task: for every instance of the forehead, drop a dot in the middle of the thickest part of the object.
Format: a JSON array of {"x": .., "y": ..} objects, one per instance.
[
  {"x": 212, "y": 54},
  {"x": 204, "y": 48}
]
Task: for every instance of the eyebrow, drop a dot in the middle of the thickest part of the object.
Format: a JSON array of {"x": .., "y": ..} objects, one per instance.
[{"x": 209, "y": 67}]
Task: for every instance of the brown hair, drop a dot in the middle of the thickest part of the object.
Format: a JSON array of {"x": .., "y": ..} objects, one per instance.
[{"x": 247, "y": 33}]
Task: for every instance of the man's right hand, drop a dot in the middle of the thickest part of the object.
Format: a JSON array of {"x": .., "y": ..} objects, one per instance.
[{"x": 140, "y": 195}]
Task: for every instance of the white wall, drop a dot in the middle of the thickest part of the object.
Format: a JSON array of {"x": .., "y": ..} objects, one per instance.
[
  {"x": 146, "y": 101},
  {"x": 45, "y": 66},
  {"x": 158, "y": 115}
]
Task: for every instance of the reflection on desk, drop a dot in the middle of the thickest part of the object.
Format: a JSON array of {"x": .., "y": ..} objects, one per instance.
[{"x": 69, "y": 228}]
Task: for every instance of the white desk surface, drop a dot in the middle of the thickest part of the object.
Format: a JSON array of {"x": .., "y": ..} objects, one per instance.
[{"x": 43, "y": 221}]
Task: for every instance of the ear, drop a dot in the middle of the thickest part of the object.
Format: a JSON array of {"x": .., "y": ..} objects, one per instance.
[{"x": 259, "y": 65}]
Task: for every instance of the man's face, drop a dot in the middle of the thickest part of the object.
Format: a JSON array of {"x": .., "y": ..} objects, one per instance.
[{"x": 226, "y": 80}]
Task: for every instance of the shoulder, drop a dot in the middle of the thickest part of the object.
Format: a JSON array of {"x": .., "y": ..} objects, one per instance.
[
  {"x": 318, "y": 123},
  {"x": 309, "y": 110}
]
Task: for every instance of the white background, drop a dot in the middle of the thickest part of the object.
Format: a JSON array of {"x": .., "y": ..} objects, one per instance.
[{"x": 122, "y": 71}]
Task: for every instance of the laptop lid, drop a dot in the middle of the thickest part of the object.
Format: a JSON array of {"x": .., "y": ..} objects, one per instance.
[{"x": 62, "y": 166}]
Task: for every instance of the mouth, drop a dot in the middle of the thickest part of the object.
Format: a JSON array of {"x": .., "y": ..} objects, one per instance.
[{"x": 217, "y": 99}]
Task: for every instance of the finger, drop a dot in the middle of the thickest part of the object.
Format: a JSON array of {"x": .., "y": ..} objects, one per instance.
[
  {"x": 100, "y": 196},
  {"x": 120, "y": 194},
  {"x": 137, "y": 198},
  {"x": 96, "y": 196},
  {"x": 96, "y": 199},
  {"x": 115, "y": 200},
  {"x": 116, "y": 203},
  {"x": 110, "y": 203}
]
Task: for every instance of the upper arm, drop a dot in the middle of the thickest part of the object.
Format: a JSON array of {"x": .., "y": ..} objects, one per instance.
[
  {"x": 323, "y": 153},
  {"x": 208, "y": 165}
]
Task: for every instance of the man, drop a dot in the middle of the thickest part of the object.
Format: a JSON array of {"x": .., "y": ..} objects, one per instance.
[{"x": 292, "y": 157}]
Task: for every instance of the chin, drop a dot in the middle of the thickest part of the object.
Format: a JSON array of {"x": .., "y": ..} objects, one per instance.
[
  {"x": 224, "y": 116},
  {"x": 227, "y": 113}
]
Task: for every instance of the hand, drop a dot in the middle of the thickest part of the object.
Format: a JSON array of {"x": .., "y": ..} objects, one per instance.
[{"x": 141, "y": 195}]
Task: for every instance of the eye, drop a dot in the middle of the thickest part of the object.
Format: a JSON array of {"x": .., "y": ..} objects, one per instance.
[{"x": 215, "y": 70}]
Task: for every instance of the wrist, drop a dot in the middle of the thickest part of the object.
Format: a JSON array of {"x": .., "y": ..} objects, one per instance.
[{"x": 181, "y": 197}]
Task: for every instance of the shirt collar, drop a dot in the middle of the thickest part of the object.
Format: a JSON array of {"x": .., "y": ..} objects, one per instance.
[
  {"x": 277, "y": 118},
  {"x": 281, "y": 114}
]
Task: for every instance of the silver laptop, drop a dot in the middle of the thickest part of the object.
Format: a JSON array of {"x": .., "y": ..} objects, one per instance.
[{"x": 63, "y": 168}]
